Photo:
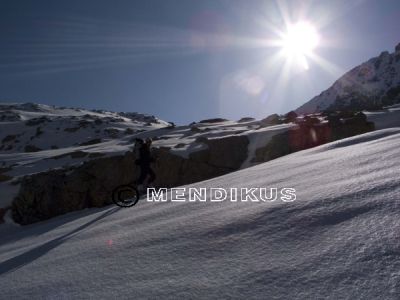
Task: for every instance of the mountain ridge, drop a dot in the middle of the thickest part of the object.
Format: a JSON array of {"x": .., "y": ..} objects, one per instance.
[{"x": 370, "y": 85}]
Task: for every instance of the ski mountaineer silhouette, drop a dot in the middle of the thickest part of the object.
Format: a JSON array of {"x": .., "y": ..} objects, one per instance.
[{"x": 144, "y": 160}]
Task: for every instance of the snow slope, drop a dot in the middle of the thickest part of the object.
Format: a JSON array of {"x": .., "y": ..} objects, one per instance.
[
  {"x": 340, "y": 239},
  {"x": 388, "y": 118}
]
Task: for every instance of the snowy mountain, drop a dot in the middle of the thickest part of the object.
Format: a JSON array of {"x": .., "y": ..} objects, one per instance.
[
  {"x": 338, "y": 240},
  {"x": 371, "y": 85},
  {"x": 31, "y": 127}
]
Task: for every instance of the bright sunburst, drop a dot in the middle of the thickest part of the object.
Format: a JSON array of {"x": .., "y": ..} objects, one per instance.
[{"x": 299, "y": 41}]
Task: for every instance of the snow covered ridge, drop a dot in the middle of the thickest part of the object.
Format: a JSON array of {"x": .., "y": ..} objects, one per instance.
[
  {"x": 338, "y": 240},
  {"x": 369, "y": 86},
  {"x": 30, "y": 127}
]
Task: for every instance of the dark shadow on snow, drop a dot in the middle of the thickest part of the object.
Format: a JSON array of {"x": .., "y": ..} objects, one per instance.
[
  {"x": 12, "y": 235},
  {"x": 23, "y": 259}
]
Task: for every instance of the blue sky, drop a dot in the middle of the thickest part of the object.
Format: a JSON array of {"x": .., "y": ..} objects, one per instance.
[{"x": 182, "y": 60}]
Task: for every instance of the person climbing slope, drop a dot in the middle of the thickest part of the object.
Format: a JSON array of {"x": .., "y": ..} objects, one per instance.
[{"x": 144, "y": 160}]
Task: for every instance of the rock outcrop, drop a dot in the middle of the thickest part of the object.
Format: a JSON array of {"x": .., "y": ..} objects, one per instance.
[
  {"x": 56, "y": 192},
  {"x": 312, "y": 132}
]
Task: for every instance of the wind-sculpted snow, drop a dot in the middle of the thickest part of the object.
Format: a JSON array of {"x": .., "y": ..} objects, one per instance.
[{"x": 340, "y": 239}]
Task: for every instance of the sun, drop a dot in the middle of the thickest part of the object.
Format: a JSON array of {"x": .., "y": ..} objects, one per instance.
[
  {"x": 300, "y": 38},
  {"x": 299, "y": 41}
]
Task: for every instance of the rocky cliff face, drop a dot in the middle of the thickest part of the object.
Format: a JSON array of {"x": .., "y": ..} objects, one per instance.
[
  {"x": 56, "y": 192},
  {"x": 51, "y": 193},
  {"x": 221, "y": 156},
  {"x": 371, "y": 85},
  {"x": 77, "y": 157},
  {"x": 311, "y": 132}
]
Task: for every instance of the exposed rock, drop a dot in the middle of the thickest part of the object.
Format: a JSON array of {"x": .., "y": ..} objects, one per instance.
[
  {"x": 384, "y": 54},
  {"x": 221, "y": 156},
  {"x": 308, "y": 121},
  {"x": 91, "y": 142},
  {"x": 84, "y": 123},
  {"x": 277, "y": 147},
  {"x": 213, "y": 120},
  {"x": 5, "y": 177},
  {"x": 201, "y": 139},
  {"x": 96, "y": 154},
  {"x": 171, "y": 125},
  {"x": 98, "y": 122},
  {"x": 246, "y": 119},
  {"x": 37, "y": 121},
  {"x": 352, "y": 126},
  {"x": 56, "y": 192},
  {"x": 3, "y": 211},
  {"x": 29, "y": 106},
  {"x": 134, "y": 116},
  {"x": 180, "y": 145},
  {"x": 290, "y": 117},
  {"x": 271, "y": 120},
  {"x": 39, "y": 132},
  {"x": 195, "y": 129},
  {"x": 9, "y": 138},
  {"x": 31, "y": 148},
  {"x": 88, "y": 116},
  {"x": 397, "y": 49},
  {"x": 129, "y": 131},
  {"x": 71, "y": 129},
  {"x": 112, "y": 132},
  {"x": 311, "y": 133},
  {"x": 5, "y": 169},
  {"x": 228, "y": 152},
  {"x": 9, "y": 116}
]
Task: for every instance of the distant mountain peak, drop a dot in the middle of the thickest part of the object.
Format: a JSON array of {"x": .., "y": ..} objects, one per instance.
[
  {"x": 397, "y": 49},
  {"x": 371, "y": 85}
]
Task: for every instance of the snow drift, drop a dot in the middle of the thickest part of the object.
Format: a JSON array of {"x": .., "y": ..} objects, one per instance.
[{"x": 339, "y": 240}]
